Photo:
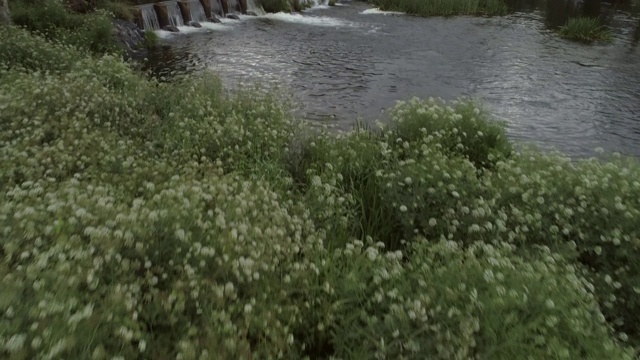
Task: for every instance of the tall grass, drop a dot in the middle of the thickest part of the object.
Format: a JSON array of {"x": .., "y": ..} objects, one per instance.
[
  {"x": 444, "y": 7},
  {"x": 153, "y": 220},
  {"x": 586, "y": 30},
  {"x": 51, "y": 18}
]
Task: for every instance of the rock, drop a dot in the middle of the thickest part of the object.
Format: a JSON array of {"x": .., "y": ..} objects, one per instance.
[
  {"x": 171, "y": 28},
  {"x": 233, "y": 16},
  {"x": 130, "y": 37},
  {"x": 251, "y": 13},
  {"x": 195, "y": 24},
  {"x": 214, "y": 19}
]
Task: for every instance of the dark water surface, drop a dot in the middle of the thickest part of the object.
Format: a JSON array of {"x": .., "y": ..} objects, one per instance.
[{"x": 347, "y": 62}]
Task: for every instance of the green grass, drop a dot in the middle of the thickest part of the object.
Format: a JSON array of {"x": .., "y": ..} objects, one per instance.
[
  {"x": 274, "y": 6},
  {"x": 119, "y": 9},
  {"x": 444, "y": 7},
  {"x": 51, "y": 18},
  {"x": 585, "y": 30},
  {"x": 146, "y": 219}
]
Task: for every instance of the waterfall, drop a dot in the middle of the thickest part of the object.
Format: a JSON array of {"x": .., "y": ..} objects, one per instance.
[
  {"x": 175, "y": 16},
  {"x": 234, "y": 6},
  {"x": 216, "y": 8},
  {"x": 197, "y": 11},
  {"x": 149, "y": 17},
  {"x": 254, "y": 6}
]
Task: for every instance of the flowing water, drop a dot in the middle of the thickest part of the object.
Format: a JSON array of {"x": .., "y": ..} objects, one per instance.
[
  {"x": 255, "y": 7},
  {"x": 149, "y": 17},
  {"x": 234, "y": 6},
  {"x": 197, "y": 11},
  {"x": 351, "y": 61},
  {"x": 216, "y": 8},
  {"x": 175, "y": 15}
]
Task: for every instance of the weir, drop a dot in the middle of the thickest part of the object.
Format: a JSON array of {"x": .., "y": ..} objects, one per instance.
[
  {"x": 253, "y": 6},
  {"x": 196, "y": 11},
  {"x": 212, "y": 8},
  {"x": 175, "y": 15},
  {"x": 148, "y": 19},
  {"x": 234, "y": 6}
]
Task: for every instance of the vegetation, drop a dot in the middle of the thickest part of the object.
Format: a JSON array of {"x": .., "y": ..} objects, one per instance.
[
  {"x": 119, "y": 9},
  {"x": 142, "y": 219},
  {"x": 151, "y": 40},
  {"x": 52, "y": 19},
  {"x": 274, "y": 6},
  {"x": 586, "y": 30},
  {"x": 444, "y": 7}
]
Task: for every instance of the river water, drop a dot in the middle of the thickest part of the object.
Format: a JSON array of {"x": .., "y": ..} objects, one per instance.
[{"x": 351, "y": 62}]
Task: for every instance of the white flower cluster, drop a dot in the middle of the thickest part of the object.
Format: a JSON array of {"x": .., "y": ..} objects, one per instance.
[{"x": 147, "y": 220}]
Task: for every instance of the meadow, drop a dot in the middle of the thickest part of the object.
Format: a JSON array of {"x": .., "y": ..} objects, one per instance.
[{"x": 178, "y": 219}]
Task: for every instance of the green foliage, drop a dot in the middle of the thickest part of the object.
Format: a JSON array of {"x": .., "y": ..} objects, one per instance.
[
  {"x": 92, "y": 32},
  {"x": 444, "y": 7},
  {"x": 585, "y": 30},
  {"x": 152, "y": 220},
  {"x": 151, "y": 40},
  {"x": 332, "y": 3},
  {"x": 274, "y": 6},
  {"x": 299, "y": 5},
  {"x": 483, "y": 302},
  {"x": 121, "y": 10}
]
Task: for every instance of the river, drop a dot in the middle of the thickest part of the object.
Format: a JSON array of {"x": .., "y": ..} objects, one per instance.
[{"x": 351, "y": 62}]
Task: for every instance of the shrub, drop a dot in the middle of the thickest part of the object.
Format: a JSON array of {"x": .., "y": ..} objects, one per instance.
[
  {"x": 444, "y": 8},
  {"x": 585, "y": 30},
  {"x": 121, "y": 10},
  {"x": 274, "y": 6},
  {"x": 182, "y": 220},
  {"x": 452, "y": 303},
  {"x": 50, "y": 18}
]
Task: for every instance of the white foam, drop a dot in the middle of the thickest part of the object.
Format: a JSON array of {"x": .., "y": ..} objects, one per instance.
[
  {"x": 163, "y": 34},
  {"x": 380, "y": 12},
  {"x": 318, "y": 7},
  {"x": 215, "y": 26},
  {"x": 189, "y": 29},
  {"x": 307, "y": 20},
  {"x": 228, "y": 21}
]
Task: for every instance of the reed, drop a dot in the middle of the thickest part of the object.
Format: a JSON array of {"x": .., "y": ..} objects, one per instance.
[{"x": 584, "y": 29}]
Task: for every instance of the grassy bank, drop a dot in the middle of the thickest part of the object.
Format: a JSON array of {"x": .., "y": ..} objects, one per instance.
[
  {"x": 177, "y": 220},
  {"x": 443, "y": 7},
  {"x": 274, "y": 6},
  {"x": 585, "y": 30}
]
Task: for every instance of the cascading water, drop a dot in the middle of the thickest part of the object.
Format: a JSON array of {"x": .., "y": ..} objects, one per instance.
[
  {"x": 175, "y": 16},
  {"x": 234, "y": 6},
  {"x": 197, "y": 11},
  {"x": 149, "y": 17},
  {"x": 216, "y": 8},
  {"x": 253, "y": 6}
]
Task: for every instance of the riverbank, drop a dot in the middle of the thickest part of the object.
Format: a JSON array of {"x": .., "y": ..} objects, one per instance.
[{"x": 180, "y": 219}]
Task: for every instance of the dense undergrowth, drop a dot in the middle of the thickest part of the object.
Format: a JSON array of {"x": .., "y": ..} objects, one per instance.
[
  {"x": 77, "y": 23},
  {"x": 444, "y": 7},
  {"x": 141, "y": 219},
  {"x": 274, "y": 6}
]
